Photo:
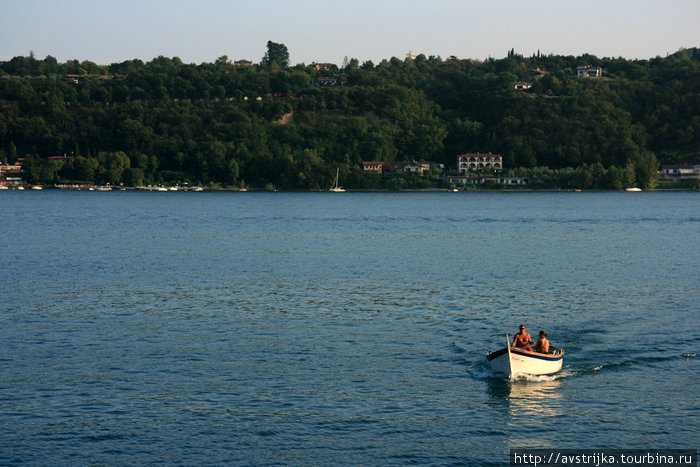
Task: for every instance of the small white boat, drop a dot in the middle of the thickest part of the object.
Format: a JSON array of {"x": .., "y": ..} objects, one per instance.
[
  {"x": 512, "y": 361},
  {"x": 633, "y": 189},
  {"x": 336, "y": 188},
  {"x": 37, "y": 187}
]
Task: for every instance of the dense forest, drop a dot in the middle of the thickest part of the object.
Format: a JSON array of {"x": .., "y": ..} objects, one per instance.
[{"x": 272, "y": 125}]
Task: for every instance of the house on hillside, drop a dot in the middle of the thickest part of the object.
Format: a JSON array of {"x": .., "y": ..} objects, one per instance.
[
  {"x": 679, "y": 172},
  {"x": 589, "y": 71},
  {"x": 322, "y": 66},
  {"x": 373, "y": 166},
  {"x": 415, "y": 167},
  {"x": 522, "y": 86},
  {"x": 473, "y": 162},
  {"x": 243, "y": 62},
  {"x": 331, "y": 80}
]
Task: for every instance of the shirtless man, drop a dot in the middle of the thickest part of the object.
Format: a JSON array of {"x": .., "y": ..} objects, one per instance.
[
  {"x": 522, "y": 339},
  {"x": 542, "y": 345}
]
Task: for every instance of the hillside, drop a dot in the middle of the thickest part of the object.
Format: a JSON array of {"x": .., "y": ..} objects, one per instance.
[{"x": 272, "y": 125}]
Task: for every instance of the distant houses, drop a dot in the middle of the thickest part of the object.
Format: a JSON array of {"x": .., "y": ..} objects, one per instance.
[
  {"x": 341, "y": 80},
  {"x": 466, "y": 164},
  {"x": 473, "y": 168},
  {"x": 486, "y": 180},
  {"x": 482, "y": 169},
  {"x": 323, "y": 66},
  {"x": 473, "y": 162},
  {"x": 373, "y": 166},
  {"x": 589, "y": 71},
  {"x": 413, "y": 167},
  {"x": 420, "y": 168},
  {"x": 10, "y": 175},
  {"x": 679, "y": 172},
  {"x": 537, "y": 73}
]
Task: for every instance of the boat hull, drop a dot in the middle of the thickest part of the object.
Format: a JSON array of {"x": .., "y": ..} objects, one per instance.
[{"x": 526, "y": 362}]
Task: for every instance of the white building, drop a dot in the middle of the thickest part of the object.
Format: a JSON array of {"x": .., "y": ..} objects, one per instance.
[
  {"x": 479, "y": 161},
  {"x": 679, "y": 172},
  {"x": 589, "y": 71}
]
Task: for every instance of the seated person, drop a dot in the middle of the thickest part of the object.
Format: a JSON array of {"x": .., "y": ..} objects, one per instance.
[
  {"x": 522, "y": 339},
  {"x": 542, "y": 345}
]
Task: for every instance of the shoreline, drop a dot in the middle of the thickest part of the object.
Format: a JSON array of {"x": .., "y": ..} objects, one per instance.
[{"x": 347, "y": 190}]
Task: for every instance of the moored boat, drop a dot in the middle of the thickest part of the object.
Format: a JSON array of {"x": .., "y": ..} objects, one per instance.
[
  {"x": 511, "y": 361},
  {"x": 336, "y": 188}
]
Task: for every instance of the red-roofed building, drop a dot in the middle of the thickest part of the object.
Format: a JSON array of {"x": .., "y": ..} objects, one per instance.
[
  {"x": 373, "y": 166},
  {"x": 9, "y": 175}
]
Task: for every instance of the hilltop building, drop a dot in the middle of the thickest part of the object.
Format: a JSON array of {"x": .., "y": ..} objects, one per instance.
[
  {"x": 589, "y": 71},
  {"x": 323, "y": 66}
]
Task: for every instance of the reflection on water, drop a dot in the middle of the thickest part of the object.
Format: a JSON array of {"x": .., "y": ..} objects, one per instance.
[
  {"x": 535, "y": 398},
  {"x": 533, "y": 404},
  {"x": 538, "y": 396}
]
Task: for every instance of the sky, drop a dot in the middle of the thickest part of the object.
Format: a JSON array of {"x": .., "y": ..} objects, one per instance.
[{"x": 197, "y": 31}]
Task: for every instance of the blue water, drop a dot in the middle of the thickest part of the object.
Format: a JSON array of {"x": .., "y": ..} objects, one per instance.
[{"x": 342, "y": 329}]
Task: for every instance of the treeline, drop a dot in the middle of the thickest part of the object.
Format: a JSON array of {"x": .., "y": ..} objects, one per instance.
[{"x": 272, "y": 125}]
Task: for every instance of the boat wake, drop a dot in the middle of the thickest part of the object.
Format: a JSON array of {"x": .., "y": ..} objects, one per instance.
[
  {"x": 543, "y": 378},
  {"x": 482, "y": 370}
]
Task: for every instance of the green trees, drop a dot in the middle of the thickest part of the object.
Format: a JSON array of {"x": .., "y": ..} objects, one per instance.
[
  {"x": 276, "y": 54},
  {"x": 271, "y": 125}
]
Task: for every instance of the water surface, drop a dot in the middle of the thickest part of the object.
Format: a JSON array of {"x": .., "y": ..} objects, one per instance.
[{"x": 342, "y": 328}]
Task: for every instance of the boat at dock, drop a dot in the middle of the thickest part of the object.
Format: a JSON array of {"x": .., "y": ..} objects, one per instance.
[{"x": 513, "y": 361}]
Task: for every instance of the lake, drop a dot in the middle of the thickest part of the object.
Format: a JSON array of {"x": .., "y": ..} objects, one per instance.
[{"x": 342, "y": 328}]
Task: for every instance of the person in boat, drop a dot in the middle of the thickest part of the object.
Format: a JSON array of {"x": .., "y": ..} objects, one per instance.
[
  {"x": 542, "y": 345},
  {"x": 522, "y": 340}
]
